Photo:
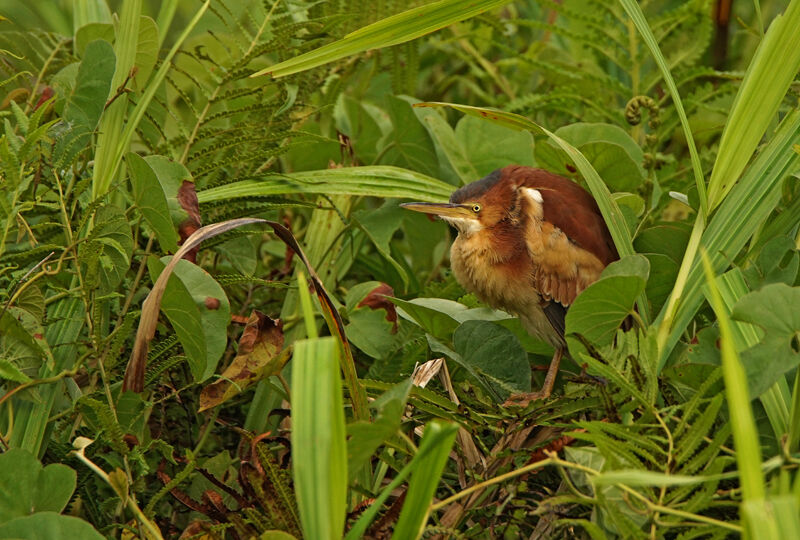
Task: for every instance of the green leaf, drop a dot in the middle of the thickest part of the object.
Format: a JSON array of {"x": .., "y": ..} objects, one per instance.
[
  {"x": 611, "y": 151},
  {"x": 434, "y": 315},
  {"x": 774, "y": 309},
  {"x": 663, "y": 272},
  {"x": 495, "y": 355},
  {"x": 10, "y": 372},
  {"x": 645, "y": 478},
  {"x": 371, "y": 332},
  {"x": 425, "y": 479},
  {"x": 49, "y": 525},
  {"x": 667, "y": 239},
  {"x": 147, "y": 47},
  {"x": 455, "y": 165},
  {"x": 150, "y": 198},
  {"x": 91, "y": 32},
  {"x": 739, "y": 216},
  {"x": 408, "y": 144},
  {"x": 199, "y": 311},
  {"x": 438, "y": 438},
  {"x": 356, "y": 122},
  {"x": 380, "y": 225},
  {"x": 393, "y": 30},
  {"x": 84, "y": 106},
  {"x": 599, "y": 310},
  {"x": 319, "y": 451},
  {"x": 491, "y": 146},
  {"x": 35, "y": 488},
  {"x": 375, "y": 181},
  {"x": 174, "y": 179}
]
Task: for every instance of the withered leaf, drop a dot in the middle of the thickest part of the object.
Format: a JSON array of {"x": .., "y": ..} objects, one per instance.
[{"x": 258, "y": 357}]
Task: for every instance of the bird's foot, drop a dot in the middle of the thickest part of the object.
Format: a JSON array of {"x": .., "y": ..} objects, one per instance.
[{"x": 523, "y": 400}]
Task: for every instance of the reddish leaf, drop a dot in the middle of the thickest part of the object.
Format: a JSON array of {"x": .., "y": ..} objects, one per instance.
[
  {"x": 259, "y": 356},
  {"x": 376, "y": 299}
]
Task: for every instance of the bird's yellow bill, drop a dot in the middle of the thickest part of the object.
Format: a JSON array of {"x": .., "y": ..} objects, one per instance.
[{"x": 440, "y": 209}]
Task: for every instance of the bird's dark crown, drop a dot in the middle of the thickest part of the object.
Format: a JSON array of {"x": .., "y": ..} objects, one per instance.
[{"x": 476, "y": 189}]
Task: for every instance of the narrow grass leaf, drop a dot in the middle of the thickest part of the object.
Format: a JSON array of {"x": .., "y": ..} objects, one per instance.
[
  {"x": 745, "y": 433},
  {"x": 393, "y": 30},
  {"x": 319, "y": 451},
  {"x": 375, "y": 181}
]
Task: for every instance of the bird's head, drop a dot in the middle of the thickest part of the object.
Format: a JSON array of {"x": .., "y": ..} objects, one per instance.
[{"x": 479, "y": 205}]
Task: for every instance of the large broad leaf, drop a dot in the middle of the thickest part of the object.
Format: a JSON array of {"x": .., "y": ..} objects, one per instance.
[
  {"x": 494, "y": 354},
  {"x": 374, "y": 181},
  {"x": 177, "y": 186},
  {"x": 379, "y": 226},
  {"x": 393, "y": 30},
  {"x": 199, "y": 311},
  {"x": 599, "y": 310},
  {"x": 408, "y": 144},
  {"x": 356, "y": 122},
  {"x": 610, "y": 150},
  {"x": 434, "y": 315},
  {"x": 50, "y": 526},
  {"x": 150, "y": 199},
  {"x": 85, "y": 105},
  {"x": 775, "y": 309},
  {"x": 492, "y": 146},
  {"x": 31, "y": 488}
]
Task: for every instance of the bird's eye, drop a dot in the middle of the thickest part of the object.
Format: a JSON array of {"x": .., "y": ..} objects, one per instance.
[{"x": 476, "y": 208}]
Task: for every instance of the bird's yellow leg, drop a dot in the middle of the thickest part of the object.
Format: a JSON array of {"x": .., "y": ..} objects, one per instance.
[{"x": 522, "y": 400}]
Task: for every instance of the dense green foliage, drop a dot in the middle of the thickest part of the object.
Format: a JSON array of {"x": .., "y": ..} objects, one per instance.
[{"x": 216, "y": 321}]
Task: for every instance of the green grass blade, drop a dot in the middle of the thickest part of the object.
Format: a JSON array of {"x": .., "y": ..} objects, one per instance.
[
  {"x": 375, "y": 181},
  {"x": 319, "y": 451},
  {"x": 636, "y": 15},
  {"x": 425, "y": 479},
  {"x": 393, "y": 30},
  {"x": 745, "y": 433},
  {"x": 115, "y": 146},
  {"x": 771, "y": 71},
  {"x": 113, "y": 120}
]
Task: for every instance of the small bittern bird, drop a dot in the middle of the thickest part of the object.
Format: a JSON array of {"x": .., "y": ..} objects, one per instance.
[{"x": 529, "y": 241}]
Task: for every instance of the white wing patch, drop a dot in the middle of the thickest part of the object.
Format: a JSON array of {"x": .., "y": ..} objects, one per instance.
[
  {"x": 535, "y": 200},
  {"x": 534, "y": 194}
]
